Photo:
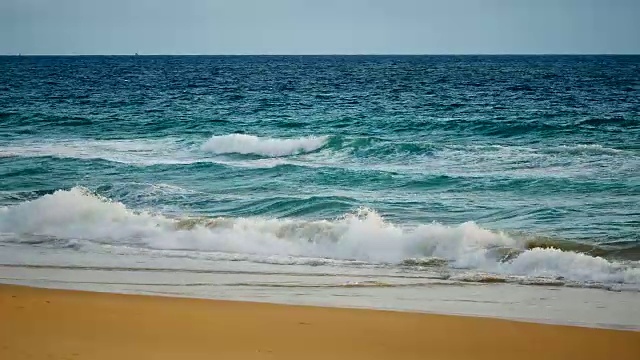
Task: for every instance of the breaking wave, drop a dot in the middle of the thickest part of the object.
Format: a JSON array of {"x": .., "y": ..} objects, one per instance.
[
  {"x": 364, "y": 235},
  {"x": 250, "y": 144}
]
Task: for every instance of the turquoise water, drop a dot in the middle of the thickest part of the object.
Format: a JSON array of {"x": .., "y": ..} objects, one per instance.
[{"x": 473, "y": 169}]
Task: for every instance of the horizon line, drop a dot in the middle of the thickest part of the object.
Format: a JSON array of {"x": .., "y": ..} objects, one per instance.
[{"x": 329, "y": 54}]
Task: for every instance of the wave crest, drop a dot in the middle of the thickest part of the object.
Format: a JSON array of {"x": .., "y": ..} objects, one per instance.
[{"x": 250, "y": 144}]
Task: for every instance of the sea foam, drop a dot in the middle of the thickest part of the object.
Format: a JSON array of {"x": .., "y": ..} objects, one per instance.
[{"x": 364, "y": 235}]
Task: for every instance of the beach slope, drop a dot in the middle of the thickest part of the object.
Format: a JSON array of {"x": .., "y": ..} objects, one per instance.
[{"x": 60, "y": 324}]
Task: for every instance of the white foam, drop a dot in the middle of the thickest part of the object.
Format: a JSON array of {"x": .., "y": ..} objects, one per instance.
[
  {"x": 249, "y": 144},
  {"x": 77, "y": 214},
  {"x": 594, "y": 149},
  {"x": 137, "y": 152},
  {"x": 574, "y": 266}
]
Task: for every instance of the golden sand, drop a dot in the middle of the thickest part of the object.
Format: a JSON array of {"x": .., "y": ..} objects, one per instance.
[{"x": 59, "y": 324}]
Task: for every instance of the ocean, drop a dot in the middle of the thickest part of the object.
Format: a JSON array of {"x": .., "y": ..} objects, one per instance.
[{"x": 488, "y": 185}]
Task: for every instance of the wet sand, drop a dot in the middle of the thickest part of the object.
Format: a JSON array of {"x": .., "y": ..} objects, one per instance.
[{"x": 61, "y": 324}]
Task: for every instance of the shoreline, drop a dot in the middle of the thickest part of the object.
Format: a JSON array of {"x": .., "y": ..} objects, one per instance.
[
  {"x": 541, "y": 321},
  {"x": 233, "y": 281},
  {"x": 96, "y": 325}
]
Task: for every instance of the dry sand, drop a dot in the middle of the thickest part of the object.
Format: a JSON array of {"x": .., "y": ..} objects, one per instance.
[{"x": 60, "y": 324}]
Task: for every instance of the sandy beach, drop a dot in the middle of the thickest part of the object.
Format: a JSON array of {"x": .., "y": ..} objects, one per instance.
[{"x": 60, "y": 324}]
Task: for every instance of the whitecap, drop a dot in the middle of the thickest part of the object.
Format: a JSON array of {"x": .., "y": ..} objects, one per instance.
[{"x": 250, "y": 144}]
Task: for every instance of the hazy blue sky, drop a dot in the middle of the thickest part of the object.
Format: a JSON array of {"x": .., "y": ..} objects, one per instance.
[{"x": 318, "y": 26}]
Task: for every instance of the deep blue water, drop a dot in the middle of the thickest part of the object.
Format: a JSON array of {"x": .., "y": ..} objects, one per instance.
[{"x": 365, "y": 158}]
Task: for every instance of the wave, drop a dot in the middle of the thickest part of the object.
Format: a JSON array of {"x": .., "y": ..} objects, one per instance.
[
  {"x": 584, "y": 149},
  {"x": 46, "y": 120},
  {"x": 360, "y": 236},
  {"x": 629, "y": 250},
  {"x": 615, "y": 121},
  {"x": 538, "y": 124},
  {"x": 250, "y": 144},
  {"x": 411, "y": 156}
]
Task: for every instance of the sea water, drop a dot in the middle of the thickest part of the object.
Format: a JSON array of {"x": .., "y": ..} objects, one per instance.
[{"x": 489, "y": 185}]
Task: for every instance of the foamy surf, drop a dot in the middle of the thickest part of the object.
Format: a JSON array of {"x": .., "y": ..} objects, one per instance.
[
  {"x": 135, "y": 152},
  {"x": 250, "y": 144},
  {"x": 77, "y": 214}
]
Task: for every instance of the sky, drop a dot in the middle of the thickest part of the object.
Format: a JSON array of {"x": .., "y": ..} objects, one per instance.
[{"x": 319, "y": 26}]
